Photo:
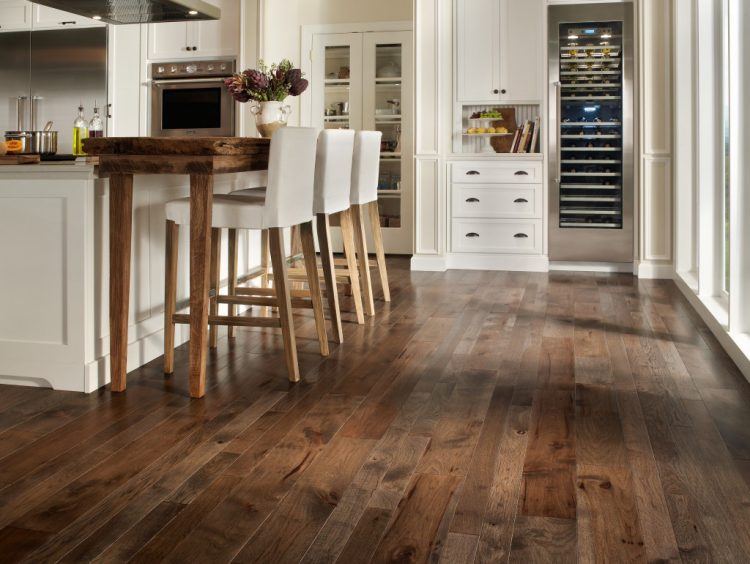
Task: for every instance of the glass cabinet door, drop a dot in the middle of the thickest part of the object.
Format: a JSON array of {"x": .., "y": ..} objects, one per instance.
[
  {"x": 337, "y": 90},
  {"x": 387, "y": 102}
]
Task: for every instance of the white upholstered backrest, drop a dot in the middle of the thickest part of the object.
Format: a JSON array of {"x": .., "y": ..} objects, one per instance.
[
  {"x": 291, "y": 177},
  {"x": 333, "y": 170},
  {"x": 366, "y": 167}
]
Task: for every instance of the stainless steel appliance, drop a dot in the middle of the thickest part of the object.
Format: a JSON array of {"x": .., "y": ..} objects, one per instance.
[
  {"x": 138, "y": 11},
  {"x": 53, "y": 71},
  {"x": 591, "y": 165},
  {"x": 189, "y": 98}
]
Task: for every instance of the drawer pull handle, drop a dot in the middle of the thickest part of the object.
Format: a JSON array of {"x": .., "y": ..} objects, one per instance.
[
  {"x": 472, "y": 200},
  {"x": 472, "y": 173},
  {"x": 521, "y": 173},
  {"x": 472, "y": 235},
  {"x": 520, "y": 201},
  {"x": 521, "y": 236}
]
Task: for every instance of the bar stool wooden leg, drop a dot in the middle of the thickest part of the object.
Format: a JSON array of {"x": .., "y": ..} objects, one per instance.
[
  {"x": 347, "y": 235},
  {"x": 332, "y": 292},
  {"x": 283, "y": 298},
  {"x": 377, "y": 240},
  {"x": 232, "y": 258},
  {"x": 360, "y": 241},
  {"x": 170, "y": 293},
  {"x": 215, "y": 283},
  {"x": 265, "y": 258},
  {"x": 311, "y": 268}
]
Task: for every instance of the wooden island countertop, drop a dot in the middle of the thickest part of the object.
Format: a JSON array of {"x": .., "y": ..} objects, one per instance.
[{"x": 201, "y": 158}]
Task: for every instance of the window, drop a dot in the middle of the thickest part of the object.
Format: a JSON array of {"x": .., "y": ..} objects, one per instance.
[{"x": 726, "y": 66}]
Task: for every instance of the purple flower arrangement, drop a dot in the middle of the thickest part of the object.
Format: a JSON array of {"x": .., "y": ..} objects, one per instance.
[{"x": 267, "y": 84}]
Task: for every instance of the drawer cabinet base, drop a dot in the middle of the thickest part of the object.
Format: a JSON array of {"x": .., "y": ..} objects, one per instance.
[{"x": 514, "y": 236}]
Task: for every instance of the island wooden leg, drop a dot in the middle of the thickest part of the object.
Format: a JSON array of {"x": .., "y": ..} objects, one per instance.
[
  {"x": 201, "y": 200},
  {"x": 120, "y": 230}
]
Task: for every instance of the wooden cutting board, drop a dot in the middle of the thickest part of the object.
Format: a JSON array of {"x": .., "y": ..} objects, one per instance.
[{"x": 19, "y": 159}]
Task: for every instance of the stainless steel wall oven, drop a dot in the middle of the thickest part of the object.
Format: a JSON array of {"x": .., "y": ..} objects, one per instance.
[{"x": 189, "y": 98}]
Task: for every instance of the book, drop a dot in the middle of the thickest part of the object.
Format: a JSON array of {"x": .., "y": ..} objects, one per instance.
[
  {"x": 514, "y": 144},
  {"x": 523, "y": 145},
  {"x": 535, "y": 136}
]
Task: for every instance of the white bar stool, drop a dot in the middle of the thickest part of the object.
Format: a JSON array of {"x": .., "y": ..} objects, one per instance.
[
  {"x": 333, "y": 174},
  {"x": 288, "y": 202},
  {"x": 364, "y": 197}
]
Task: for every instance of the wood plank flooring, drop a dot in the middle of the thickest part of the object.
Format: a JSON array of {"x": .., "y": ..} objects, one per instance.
[{"x": 478, "y": 417}]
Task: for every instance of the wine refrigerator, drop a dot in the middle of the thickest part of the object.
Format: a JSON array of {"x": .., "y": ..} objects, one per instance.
[{"x": 591, "y": 108}]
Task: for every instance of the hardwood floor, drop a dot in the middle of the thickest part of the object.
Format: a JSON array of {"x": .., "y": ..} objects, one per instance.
[{"x": 479, "y": 417}]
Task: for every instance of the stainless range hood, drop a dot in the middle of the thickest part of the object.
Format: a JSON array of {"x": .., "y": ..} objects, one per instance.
[{"x": 137, "y": 11}]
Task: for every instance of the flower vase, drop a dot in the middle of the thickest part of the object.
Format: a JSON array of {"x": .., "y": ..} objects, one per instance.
[{"x": 270, "y": 116}]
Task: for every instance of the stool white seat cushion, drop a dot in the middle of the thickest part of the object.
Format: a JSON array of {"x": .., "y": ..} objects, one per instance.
[
  {"x": 333, "y": 171},
  {"x": 231, "y": 212},
  {"x": 259, "y": 191},
  {"x": 366, "y": 167}
]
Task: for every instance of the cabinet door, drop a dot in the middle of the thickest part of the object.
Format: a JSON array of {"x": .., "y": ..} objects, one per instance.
[
  {"x": 15, "y": 16},
  {"x": 218, "y": 38},
  {"x": 387, "y": 105},
  {"x": 477, "y": 50},
  {"x": 336, "y": 81},
  {"x": 169, "y": 40},
  {"x": 50, "y": 18},
  {"x": 521, "y": 51}
]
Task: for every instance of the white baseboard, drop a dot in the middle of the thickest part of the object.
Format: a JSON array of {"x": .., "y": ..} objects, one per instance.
[
  {"x": 472, "y": 261},
  {"x": 654, "y": 270},
  {"x": 581, "y": 266},
  {"x": 429, "y": 263},
  {"x": 521, "y": 263}
]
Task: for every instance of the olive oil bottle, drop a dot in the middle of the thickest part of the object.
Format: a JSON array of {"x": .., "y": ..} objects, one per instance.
[{"x": 80, "y": 132}]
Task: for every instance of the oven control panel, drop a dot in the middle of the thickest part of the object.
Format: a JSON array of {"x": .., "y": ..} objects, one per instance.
[{"x": 190, "y": 69}]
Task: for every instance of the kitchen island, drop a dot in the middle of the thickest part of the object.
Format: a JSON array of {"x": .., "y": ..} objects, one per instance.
[{"x": 54, "y": 257}]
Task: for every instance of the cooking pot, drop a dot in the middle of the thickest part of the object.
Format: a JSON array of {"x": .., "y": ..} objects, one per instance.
[
  {"x": 18, "y": 142},
  {"x": 32, "y": 142}
]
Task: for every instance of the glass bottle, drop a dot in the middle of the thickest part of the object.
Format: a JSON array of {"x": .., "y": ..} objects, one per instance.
[
  {"x": 80, "y": 132},
  {"x": 96, "y": 125}
]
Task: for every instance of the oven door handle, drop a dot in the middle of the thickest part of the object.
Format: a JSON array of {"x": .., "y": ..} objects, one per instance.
[{"x": 188, "y": 81}]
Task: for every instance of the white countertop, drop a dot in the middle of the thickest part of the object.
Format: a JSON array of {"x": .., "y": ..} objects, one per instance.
[{"x": 48, "y": 167}]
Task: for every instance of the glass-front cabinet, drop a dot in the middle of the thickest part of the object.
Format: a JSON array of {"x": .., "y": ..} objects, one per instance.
[{"x": 363, "y": 81}]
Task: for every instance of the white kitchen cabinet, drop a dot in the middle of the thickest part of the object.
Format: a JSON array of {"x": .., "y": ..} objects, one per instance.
[
  {"x": 363, "y": 81},
  {"x": 478, "y": 49},
  {"x": 15, "y": 16},
  {"x": 499, "y": 51},
  {"x": 50, "y": 18},
  {"x": 186, "y": 40},
  {"x": 521, "y": 60}
]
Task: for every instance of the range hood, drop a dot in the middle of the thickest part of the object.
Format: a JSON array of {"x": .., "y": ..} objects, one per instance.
[{"x": 137, "y": 11}]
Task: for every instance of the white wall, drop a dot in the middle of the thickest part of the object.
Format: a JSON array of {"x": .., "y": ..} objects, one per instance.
[{"x": 354, "y": 11}]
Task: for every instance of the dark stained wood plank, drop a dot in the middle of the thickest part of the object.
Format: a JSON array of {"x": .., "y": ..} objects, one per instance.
[
  {"x": 544, "y": 539},
  {"x": 502, "y": 506},
  {"x": 411, "y": 534},
  {"x": 730, "y": 410},
  {"x": 549, "y": 467},
  {"x": 599, "y": 439},
  {"x": 608, "y": 527},
  {"x": 366, "y": 535},
  {"x": 459, "y": 549},
  {"x": 289, "y": 531}
]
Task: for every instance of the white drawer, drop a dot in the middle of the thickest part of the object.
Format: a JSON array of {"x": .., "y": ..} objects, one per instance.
[
  {"x": 496, "y": 236},
  {"x": 507, "y": 172},
  {"x": 497, "y": 200}
]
